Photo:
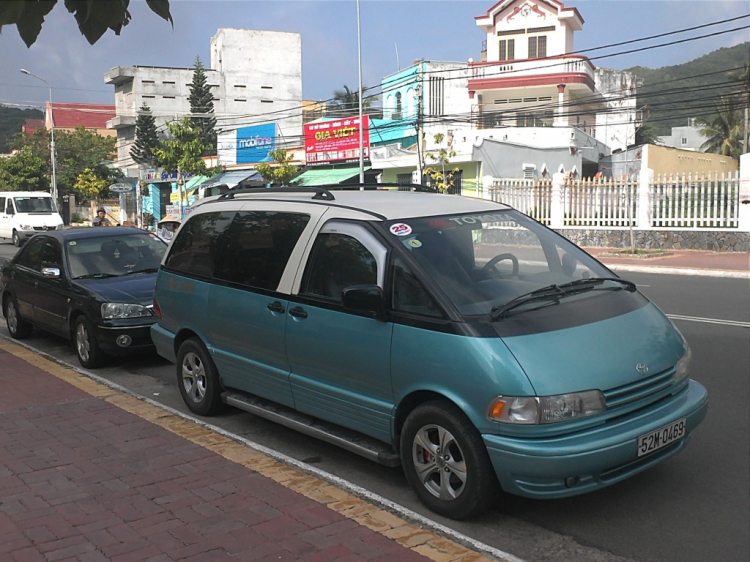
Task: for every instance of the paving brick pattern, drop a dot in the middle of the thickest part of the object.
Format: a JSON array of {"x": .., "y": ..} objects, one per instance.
[{"x": 90, "y": 474}]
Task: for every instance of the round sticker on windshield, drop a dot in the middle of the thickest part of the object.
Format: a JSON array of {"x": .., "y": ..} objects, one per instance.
[
  {"x": 414, "y": 243},
  {"x": 400, "y": 229}
]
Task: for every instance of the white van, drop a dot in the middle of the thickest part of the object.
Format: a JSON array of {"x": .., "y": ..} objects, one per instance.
[{"x": 24, "y": 213}]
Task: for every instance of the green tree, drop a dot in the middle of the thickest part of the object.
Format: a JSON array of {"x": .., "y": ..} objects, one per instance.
[
  {"x": 724, "y": 131},
  {"x": 440, "y": 178},
  {"x": 281, "y": 172},
  {"x": 202, "y": 108},
  {"x": 345, "y": 103},
  {"x": 146, "y": 139},
  {"x": 24, "y": 171},
  {"x": 94, "y": 18},
  {"x": 90, "y": 185},
  {"x": 181, "y": 152}
]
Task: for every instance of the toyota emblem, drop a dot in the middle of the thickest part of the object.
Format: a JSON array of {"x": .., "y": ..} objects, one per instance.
[{"x": 642, "y": 368}]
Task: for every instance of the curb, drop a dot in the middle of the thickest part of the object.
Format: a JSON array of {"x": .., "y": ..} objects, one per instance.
[{"x": 733, "y": 274}]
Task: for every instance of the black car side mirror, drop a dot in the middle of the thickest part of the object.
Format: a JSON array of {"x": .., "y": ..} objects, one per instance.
[{"x": 364, "y": 298}]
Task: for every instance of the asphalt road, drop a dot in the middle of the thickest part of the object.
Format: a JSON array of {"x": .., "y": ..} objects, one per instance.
[{"x": 692, "y": 508}]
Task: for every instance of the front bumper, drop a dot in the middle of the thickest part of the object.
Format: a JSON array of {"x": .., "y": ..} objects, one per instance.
[
  {"x": 594, "y": 458},
  {"x": 138, "y": 334}
]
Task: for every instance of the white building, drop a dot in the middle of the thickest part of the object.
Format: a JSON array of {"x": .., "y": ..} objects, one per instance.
[
  {"x": 686, "y": 138},
  {"x": 256, "y": 77}
]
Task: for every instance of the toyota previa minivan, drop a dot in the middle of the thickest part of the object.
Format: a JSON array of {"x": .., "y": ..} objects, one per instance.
[{"x": 457, "y": 337}]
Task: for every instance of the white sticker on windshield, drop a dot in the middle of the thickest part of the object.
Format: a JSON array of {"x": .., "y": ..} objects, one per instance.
[
  {"x": 400, "y": 229},
  {"x": 414, "y": 243}
]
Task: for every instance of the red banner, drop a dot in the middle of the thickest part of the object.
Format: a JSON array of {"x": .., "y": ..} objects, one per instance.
[{"x": 336, "y": 140}]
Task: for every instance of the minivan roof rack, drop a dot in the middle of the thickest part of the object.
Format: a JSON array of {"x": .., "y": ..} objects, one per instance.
[{"x": 318, "y": 192}]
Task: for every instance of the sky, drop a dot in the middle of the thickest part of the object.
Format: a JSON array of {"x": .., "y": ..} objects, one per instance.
[{"x": 393, "y": 33}]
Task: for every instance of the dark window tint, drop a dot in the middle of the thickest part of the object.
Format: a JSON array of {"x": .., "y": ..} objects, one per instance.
[
  {"x": 409, "y": 295},
  {"x": 247, "y": 247},
  {"x": 338, "y": 261},
  {"x": 30, "y": 255},
  {"x": 255, "y": 248},
  {"x": 51, "y": 254}
]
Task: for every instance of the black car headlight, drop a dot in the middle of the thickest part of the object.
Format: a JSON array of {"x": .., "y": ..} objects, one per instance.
[{"x": 112, "y": 310}]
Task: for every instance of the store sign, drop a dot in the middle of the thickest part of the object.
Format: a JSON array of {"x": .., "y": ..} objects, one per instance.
[
  {"x": 336, "y": 140},
  {"x": 121, "y": 187},
  {"x": 247, "y": 144}
]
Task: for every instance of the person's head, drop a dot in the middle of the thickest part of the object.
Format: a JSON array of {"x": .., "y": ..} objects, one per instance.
[{"x": 101, "y": 212}]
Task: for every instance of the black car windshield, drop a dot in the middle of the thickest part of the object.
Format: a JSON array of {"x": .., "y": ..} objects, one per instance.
[
  {"x": 482, "y": 261},
  {"x": 107, "y": 256}
]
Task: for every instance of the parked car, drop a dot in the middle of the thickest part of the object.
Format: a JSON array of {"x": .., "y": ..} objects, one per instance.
[
  {"x": 24, "y": 213},
  {"x": 93, "y": 286},
  {"x": 456, "y": 336}
]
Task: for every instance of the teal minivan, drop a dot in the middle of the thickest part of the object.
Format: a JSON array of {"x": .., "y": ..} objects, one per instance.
[{"x": 457, "y": 337}]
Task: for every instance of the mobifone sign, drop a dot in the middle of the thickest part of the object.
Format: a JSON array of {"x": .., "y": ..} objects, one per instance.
[{"x": 247, "y": 144}]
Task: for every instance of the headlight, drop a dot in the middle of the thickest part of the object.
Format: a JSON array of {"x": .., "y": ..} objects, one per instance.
[
  {"x": 25, "y": 227},
  {"x": 60, "y": 226},
  {"x": 682, "y": 368},
  {"x": 122, "y": 310},
  {"x": 546, "y": 409}
]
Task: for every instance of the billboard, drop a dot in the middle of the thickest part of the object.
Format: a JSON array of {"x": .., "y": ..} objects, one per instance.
[
  {"x": 336, "y": 140},
  {"x": 246, "y": 144}
]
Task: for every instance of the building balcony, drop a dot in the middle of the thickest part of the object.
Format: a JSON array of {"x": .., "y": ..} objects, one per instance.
[
  {"x": 575, "y": 71},
  {"x": 119, "y": 74},
  {"x": 121, "y": 122}
]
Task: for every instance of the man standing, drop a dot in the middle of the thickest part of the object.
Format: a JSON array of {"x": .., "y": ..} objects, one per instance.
[{"x": 101, "y": 218}]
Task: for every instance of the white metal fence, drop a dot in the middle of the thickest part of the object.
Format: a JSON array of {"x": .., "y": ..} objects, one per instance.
[{"x": 679, "y": 202}]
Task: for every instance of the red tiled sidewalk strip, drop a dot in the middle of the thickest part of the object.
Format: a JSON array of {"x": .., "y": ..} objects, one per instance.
[{"x": 88, "y": 473}]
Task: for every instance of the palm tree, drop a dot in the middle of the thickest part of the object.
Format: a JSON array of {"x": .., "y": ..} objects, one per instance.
[
  {"x": 345, "y": 103},
  {"x": 724, "y": 132}
]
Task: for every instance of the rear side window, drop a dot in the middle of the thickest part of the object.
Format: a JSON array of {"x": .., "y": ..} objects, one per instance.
[{"x": 248, "y": 248}]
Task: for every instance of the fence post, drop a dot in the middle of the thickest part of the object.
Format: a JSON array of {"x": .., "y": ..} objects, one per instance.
[
  {"x": 743, "y": 223},
  {"x": 645, "y": 179},
  {"x": 556, "y": 213}
]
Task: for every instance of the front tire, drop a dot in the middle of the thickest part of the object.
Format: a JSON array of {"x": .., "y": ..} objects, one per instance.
[
  {"x": 16, "y": 239},
  {"x": 198, "y": 378},
  {"x": 90, "y": 356},
  {"x": 446, "y": 461},
  {"x": 18, "y": 327}
]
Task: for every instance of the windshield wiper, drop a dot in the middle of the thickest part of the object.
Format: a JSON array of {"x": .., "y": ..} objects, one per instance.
[
  {"x": 147, "y": 270},
  {"x": 554, "y": 293},
  {"x": 96, "y": 276}
]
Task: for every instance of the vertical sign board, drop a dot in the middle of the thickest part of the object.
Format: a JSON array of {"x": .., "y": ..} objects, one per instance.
[
  {"x": 246, "y": 145},
  {"x": 336, "y": 140}
]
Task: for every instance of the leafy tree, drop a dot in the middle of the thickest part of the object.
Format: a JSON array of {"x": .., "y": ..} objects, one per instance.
[
  {"x": 280, "y": 174},
  {"x": 90, "y": 185},
  {"x": 146, "y": 139},
  {"x": 11, "y": 121},
  {"x": 181, "y": 151},
  {"x": 24, "y": 171},
  {"x": 724, "y": 131},
  {"x": 345, "y": 103},
  {"x": 202, "y": 108},
  {"x": 440, "y": 178},
  {"x": 94, "y": 18}
]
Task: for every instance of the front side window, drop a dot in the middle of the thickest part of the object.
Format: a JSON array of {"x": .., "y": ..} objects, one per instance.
[{"x": 30, "y": 255}]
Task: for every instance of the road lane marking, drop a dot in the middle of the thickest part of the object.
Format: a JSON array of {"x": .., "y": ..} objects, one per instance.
[{"x": 709, "y": 320}]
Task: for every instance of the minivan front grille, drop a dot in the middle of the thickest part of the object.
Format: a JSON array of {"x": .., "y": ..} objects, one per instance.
[{"x": 640, "y": 389}]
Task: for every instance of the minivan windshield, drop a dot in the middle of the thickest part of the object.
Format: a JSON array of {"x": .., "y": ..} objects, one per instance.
[
  {"x": 501, "y": 263},
  {"x": 34, "y": 204}
]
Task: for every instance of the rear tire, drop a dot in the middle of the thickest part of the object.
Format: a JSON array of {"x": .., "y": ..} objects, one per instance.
[
  {"x": 198, "y": 378},
  {"x": 18, "y": 327},
  {"x": 446, "y": 461},
  {"x": 90, "y": 355}
]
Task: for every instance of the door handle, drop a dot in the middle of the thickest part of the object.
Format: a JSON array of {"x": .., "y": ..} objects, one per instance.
[
  {"x": 276, "y": 306},
  {"x": 298, "y": 312}
]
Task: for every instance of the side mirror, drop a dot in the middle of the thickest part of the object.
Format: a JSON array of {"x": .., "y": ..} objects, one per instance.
[
  {"x": 51, "y": 272},
  {"x": 364, "y": 298}
]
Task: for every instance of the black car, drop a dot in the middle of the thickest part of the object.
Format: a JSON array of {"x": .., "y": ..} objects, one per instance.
[{"x": 93, "y": 286}]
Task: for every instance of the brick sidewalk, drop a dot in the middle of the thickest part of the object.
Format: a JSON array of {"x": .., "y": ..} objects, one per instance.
[{"x": 88, "y": 473}]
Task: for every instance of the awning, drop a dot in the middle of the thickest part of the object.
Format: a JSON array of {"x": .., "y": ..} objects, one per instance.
[
  {"x": 327, "y": 176},
  {"x": 233, "y": 178}
]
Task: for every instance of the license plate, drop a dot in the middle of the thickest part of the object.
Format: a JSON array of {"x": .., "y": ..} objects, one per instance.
[{"x": 650, "y": 442}]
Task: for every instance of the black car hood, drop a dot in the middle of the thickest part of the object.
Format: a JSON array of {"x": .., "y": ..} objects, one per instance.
[{"x": 136, "y": 288}]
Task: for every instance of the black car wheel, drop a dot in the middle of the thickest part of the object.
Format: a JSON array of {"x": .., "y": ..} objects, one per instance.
[
  {"x": 89, "y": 354},
  {"x": 18, "y": 327},
  {"x": 198, "y": 378},
  {"x": 446, "y": 461}
]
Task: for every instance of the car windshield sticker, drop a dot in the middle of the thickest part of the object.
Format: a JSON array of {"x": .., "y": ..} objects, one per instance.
[
  {"x": 414, "y": 243},
  {"x": 72, "y": 243},
  {"x": 400, "y": 229}
]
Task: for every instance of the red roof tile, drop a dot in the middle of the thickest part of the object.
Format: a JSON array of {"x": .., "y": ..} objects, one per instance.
[{"x": 88, "y": 115}]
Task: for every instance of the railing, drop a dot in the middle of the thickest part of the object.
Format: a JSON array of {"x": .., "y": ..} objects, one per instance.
[
  {"x": 691, "y": 201},
  {"x": 668, "y": 202}
]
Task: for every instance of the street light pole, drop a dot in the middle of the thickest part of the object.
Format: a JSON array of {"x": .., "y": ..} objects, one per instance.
[
  {"x": 361, "y": 133},
  {"x": 53, "y": 156}
]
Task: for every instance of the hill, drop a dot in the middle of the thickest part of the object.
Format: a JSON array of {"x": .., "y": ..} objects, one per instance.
[
  {"x": 672, "y": 95},
  {"x": 11, "y": 121}
]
